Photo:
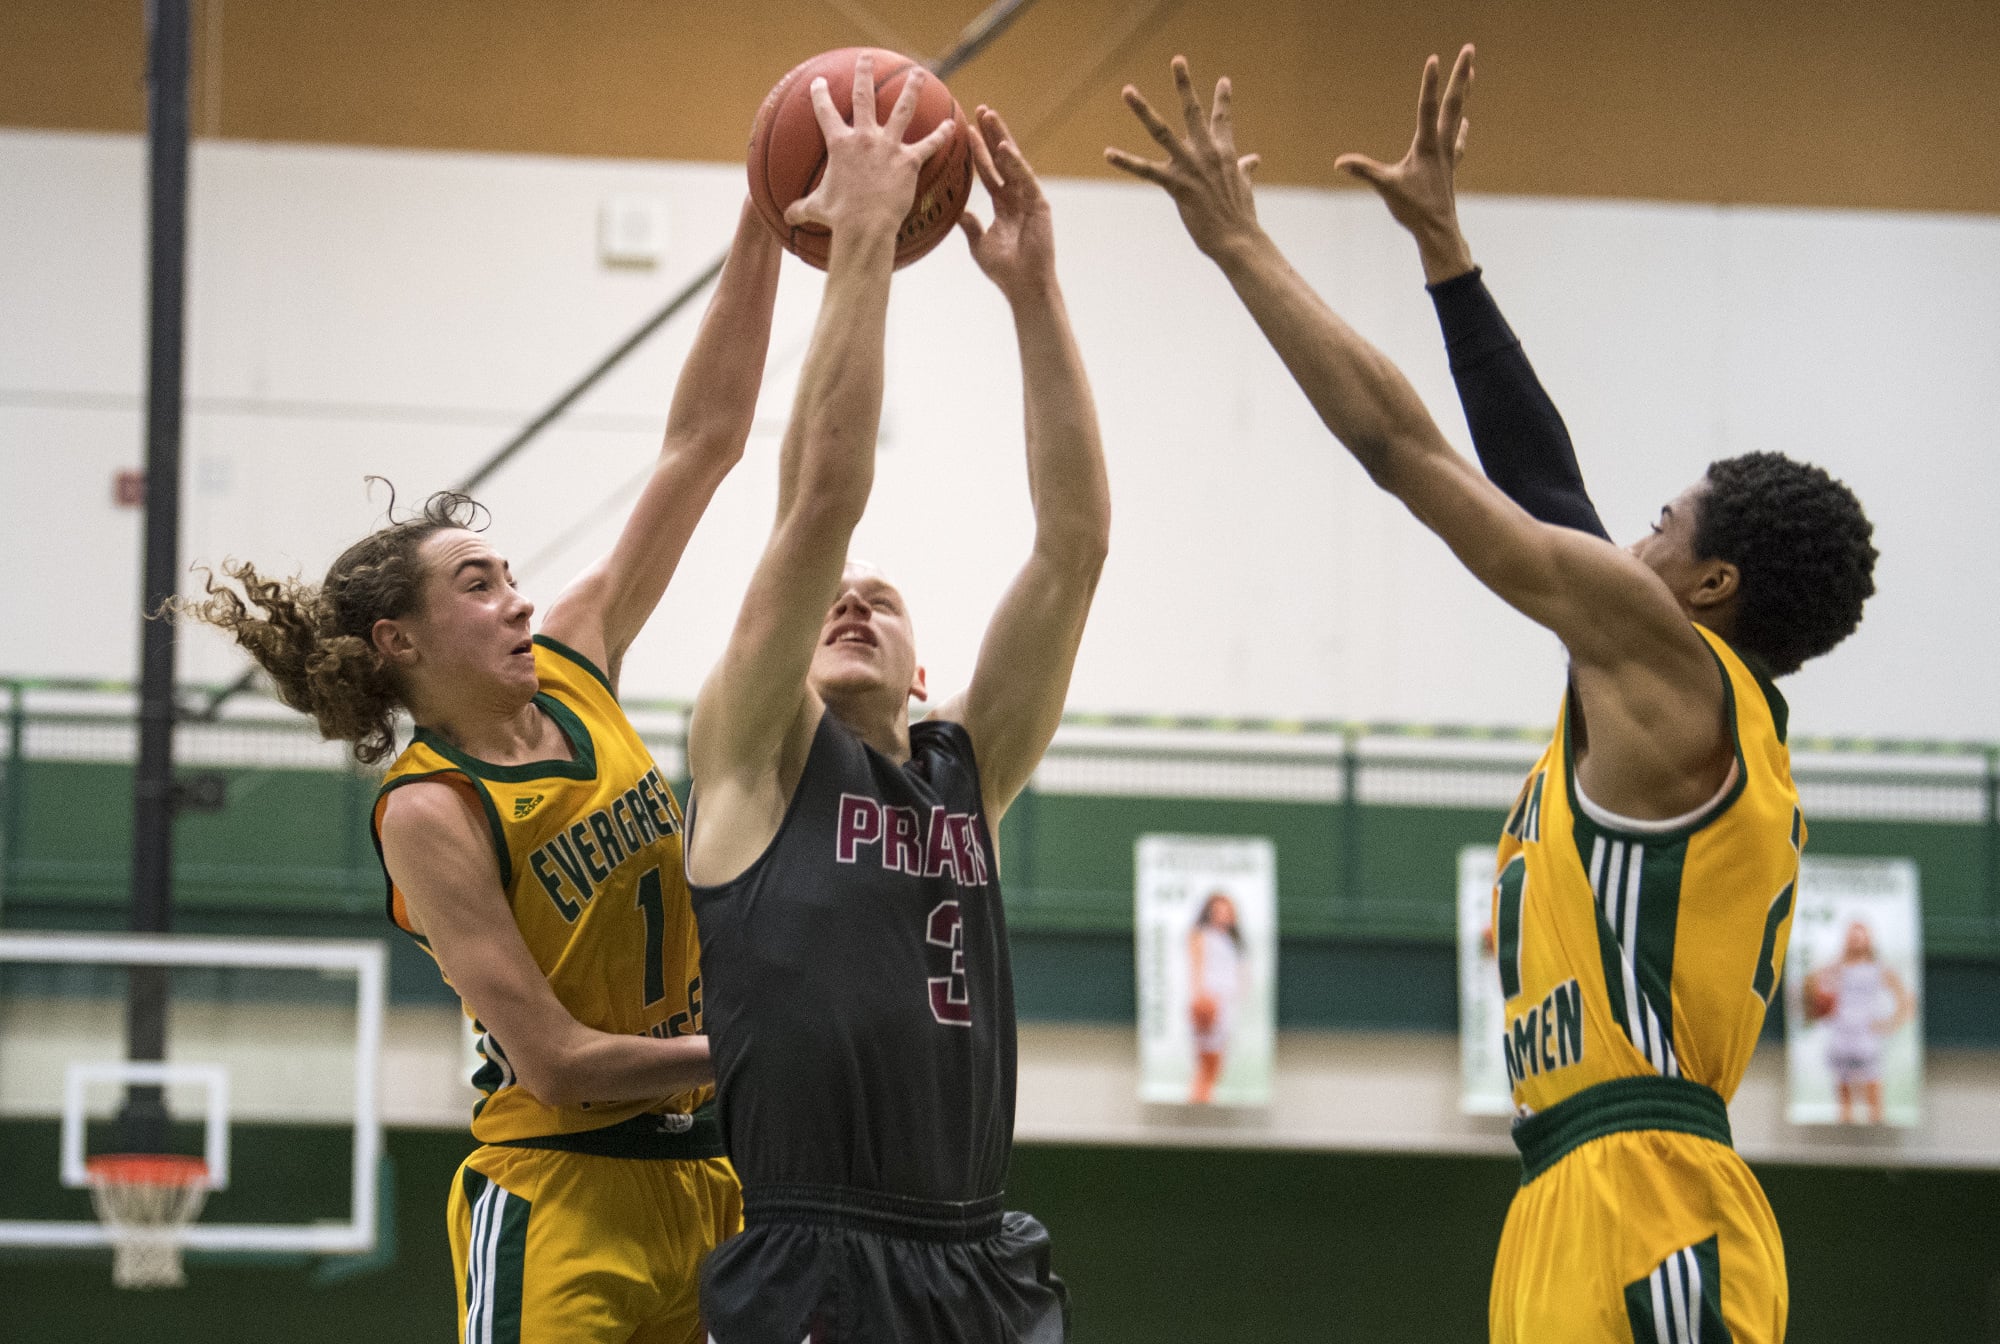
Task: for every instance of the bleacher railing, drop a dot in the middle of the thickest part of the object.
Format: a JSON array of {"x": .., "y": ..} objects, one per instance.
[{"x": 1345, "y": 789}]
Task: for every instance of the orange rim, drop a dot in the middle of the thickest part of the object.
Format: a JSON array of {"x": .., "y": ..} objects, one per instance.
[{"x": 147, "y": 1169}]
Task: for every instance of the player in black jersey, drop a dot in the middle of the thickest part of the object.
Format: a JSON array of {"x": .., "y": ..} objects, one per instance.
[{"x": 842, "y": 859}]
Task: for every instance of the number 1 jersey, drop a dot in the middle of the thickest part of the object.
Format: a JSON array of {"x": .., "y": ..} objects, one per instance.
[
  {"x": 1630, "y": 948},
  {"x": 590, "y": 858}
]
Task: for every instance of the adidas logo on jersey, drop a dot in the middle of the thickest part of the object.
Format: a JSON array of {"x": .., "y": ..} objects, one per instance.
[{"x": 523, "y": 806}]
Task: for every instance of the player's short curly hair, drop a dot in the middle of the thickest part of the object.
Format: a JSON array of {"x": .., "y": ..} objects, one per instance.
[
  {"x": 1802, "y": 546},
  {"x": 316, "y": 641}
]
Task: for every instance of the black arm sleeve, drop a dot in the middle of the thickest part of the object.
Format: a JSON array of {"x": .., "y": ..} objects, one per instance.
[{"x": 1519, "y": 435}]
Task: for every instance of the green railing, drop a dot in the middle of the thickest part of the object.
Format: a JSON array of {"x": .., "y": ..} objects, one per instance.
[{"x": 1367, "y": 818}]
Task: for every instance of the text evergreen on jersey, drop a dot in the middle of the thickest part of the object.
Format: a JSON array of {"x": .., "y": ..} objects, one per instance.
[{"x": 593, "y": 848}]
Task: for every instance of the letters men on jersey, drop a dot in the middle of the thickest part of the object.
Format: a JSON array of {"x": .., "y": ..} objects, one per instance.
[{"x": 589, "y": 850}]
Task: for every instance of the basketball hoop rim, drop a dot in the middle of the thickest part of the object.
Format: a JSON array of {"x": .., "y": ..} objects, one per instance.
[{"x": 161, "y": 1169}]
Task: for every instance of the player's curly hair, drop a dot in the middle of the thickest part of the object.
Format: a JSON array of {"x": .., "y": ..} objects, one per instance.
[
  {"x": 1802, "y": 546},
  {"x": 315, "y": 640}
]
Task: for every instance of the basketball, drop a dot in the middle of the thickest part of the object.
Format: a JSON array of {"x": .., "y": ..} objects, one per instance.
[
  {"x": 788, "y": 153},
  {"x": 1820, "y": 1001}
]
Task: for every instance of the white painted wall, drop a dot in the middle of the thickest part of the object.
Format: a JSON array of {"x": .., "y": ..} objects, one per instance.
[
  {"x": 1332, "y": 1091},
  {"x": 1397, "y": 1092},
  {"x": 399, "y": 313}
]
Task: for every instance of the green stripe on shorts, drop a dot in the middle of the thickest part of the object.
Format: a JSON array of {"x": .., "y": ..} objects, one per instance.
[
  {"x": 493, "y": 1264},
  {"x": 1680, "y": 1302}
]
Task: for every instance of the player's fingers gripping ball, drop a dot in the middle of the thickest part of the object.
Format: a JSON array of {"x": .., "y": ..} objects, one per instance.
[{"x": 788, "y": 153}]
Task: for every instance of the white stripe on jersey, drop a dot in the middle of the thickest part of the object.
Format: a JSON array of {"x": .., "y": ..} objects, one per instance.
[
  {"x": 1628, "y": 940},
  {"x": 490, "y": 1049},
  {"x": 1619, "y": 895},
  {"x": 1617, "y": 888}
]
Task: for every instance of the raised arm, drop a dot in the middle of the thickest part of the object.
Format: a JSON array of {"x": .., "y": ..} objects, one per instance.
[
  {"x": 436, "y": 844},
  {"x": 754, "y": 718},
  {"x": 715, "y": 400},
  {"x": 1522, "y": 443},
  {"x": 1015, "y": 701},
  {"x": 1655, "y": 692}
]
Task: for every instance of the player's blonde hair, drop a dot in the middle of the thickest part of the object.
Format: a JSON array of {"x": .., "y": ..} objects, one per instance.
[{"x": 316, "y": 641}]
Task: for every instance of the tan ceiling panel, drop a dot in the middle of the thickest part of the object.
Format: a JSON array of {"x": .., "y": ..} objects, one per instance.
[
  {"x": 73, "y": 66},
  {"x": 1811, "y": 102}
]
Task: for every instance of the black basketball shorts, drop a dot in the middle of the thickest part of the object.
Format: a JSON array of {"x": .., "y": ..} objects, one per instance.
[{"x": 827, "y": 1265}]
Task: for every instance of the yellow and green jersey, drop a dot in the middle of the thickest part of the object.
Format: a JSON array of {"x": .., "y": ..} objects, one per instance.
[
  {"x": 590, "y": 859},
  {"x": 1633, "y": 949}
]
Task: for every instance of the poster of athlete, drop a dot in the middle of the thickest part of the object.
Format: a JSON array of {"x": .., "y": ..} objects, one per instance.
[
  {"x": 1482, "y": 1069},
  {"x": 1206, "y": 921},
  {"x": 1854, "y": 1038}
]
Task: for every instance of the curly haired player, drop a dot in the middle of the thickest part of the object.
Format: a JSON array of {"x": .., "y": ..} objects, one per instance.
[
  {"x": 1647, "y": 869},
  {"x": 534, "y": 850}
]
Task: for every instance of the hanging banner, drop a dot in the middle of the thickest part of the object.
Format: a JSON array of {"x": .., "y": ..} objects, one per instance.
[
  {"x": 1482, "y": 1068},
  {"x": 1206, "y": 922},
  {"x": 1854, "y": 994}
]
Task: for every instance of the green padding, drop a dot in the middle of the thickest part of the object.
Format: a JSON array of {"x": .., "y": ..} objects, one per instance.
[
  {"x": 1617, "y": 1107},
  {"x": 295, "y": 844}
]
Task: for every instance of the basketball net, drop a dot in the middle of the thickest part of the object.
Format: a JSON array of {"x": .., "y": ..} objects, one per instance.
[{"x": 145, "y": 1200}]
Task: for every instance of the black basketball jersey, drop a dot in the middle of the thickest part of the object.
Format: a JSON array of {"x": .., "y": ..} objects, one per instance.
[{"x": 858, "y": 998}]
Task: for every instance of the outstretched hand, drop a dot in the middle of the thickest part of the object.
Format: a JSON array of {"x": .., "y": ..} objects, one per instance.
[
  {"x": 871, "y": 175},
  {"x": 1208, "y": 179},
  {"x": 1420, "y": 189},
  {"x": 1017, "y": 251}
]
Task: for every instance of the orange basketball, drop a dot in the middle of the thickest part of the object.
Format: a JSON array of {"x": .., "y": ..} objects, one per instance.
[{"x": 788, "y": 153}]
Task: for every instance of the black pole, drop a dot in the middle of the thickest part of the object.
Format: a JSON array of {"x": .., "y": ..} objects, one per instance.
[
  {"x": 553, "y": 411},
  {"x": 144, "y": 1118},
  {"x": 987, "y": 25},
  {"x": 977, "y": 35}
]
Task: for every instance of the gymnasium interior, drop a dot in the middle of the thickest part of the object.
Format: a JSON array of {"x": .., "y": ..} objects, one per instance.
[{"x": 455, "y": 242}]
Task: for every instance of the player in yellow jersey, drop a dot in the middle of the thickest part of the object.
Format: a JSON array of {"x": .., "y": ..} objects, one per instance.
[
  {"x": 533, "y": 848},
  {"x": 1647, "y": 869}
]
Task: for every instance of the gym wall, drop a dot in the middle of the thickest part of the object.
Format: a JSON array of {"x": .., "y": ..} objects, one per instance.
[
  {"x": 401, "y": 312},
  {"x": 1718, "y": 226},
  {"x": 357, "y": 309}
]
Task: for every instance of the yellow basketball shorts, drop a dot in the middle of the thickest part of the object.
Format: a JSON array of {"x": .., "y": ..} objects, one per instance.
[
  {"x": 1646, "y": 1235},
  {"x": 552, "y": 1245}
]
